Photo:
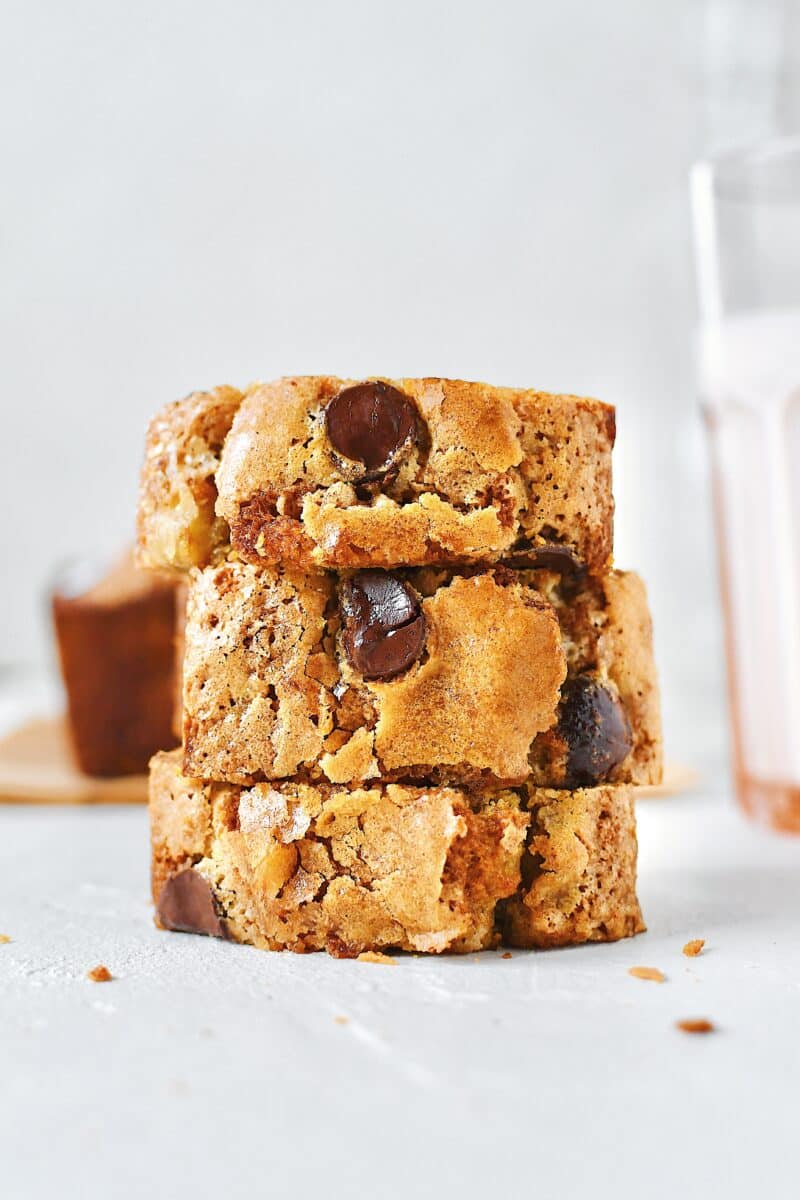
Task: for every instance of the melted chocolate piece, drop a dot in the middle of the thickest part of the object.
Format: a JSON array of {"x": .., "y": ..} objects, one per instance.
[
  {"x": 187, "y": 904},
  {"x": 370, "y": 423},
  {"x": 550, "y": 557},
  {"x": 596, "y": 729},
  {"x": 384, "y": 626}
]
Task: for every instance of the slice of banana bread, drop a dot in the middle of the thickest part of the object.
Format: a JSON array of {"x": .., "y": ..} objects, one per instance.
[
  {"x": 287, "y": 672},
  {"x": 426, "y": 674},
  {"x": 324, "y": 472},
  {"x": 389, "y": 866},
  {"x": 291, "y": 866}
]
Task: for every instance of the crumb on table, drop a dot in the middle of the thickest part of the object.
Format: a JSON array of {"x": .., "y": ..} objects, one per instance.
[
  {"x": 99, "y": 974},
  {"x": 340, "y": 1020},
  {"x": 651, "y": 973},
  {"x": 506, "y": 955},
  {"x": 4, "y": 939},
  {"x": 374, "y": 956},
  {"x": 695, "y": 1025},
  {"x": 693, "y": 948}
]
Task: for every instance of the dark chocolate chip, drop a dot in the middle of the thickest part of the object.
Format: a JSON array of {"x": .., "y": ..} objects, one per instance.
[
  {"x": 187, "y": 904},
  {"x": 370, "y": 423},
  {"x": 596, "y": 730},
  {"x": 384, "y": 626},
  {"x": 550, "y": 557}
]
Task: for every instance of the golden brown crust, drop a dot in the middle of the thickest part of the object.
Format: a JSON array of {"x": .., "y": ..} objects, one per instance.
[
  {"x": 429, "y": 869},
  {"x": 177, "y": 526},
  {"x": 309, "y": 868},
  {"x": 493, "y": 469},
  {"x": 269, "y": 692},
  {"x": 180, "y": 819},
  {"x": 579, "y": 870}
]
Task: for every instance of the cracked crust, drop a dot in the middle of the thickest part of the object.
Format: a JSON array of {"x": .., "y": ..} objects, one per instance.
[
  {"x": 177, "y": 526},
  {"x": 269, "y": 692},
  {"x": 578, "y": 871},
  {"x": 493, "y": 469},
  {"x": 306, "y": 868},
  {"x": 427, "y": 869}
]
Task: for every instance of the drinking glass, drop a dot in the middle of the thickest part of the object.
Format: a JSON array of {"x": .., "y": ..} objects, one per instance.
[{"x": 746, "y": 221}]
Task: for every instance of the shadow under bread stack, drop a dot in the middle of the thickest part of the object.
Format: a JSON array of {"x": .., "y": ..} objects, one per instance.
[{"x": 416, "y": 695}]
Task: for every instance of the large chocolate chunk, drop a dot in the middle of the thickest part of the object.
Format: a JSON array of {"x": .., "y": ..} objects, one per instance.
[
  {"x": 187, "y": 904},
  {"x": 370, "y": 423},
  {"x": 596, "y": 730},
  {"x": 384, "y": 626}
]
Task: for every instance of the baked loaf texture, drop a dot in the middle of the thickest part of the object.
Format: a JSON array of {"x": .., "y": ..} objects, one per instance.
[
  {"x": 426, "y": 674},
  {"x": 324, "y": 472},
  {"x": 177, "y": 524},
  {"x": 289, "y": 866},
  {"x": 578, "y": 871},
  {"x": 426, "y": 869},
  {"x": 116, "y": 635}
]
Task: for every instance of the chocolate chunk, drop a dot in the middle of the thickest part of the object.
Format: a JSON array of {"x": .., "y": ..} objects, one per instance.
[
  {"x": 370, "y": 423},
  {"x": 384, "y": 626},
  {"x": 549, "y": 557},
  {"x": 187, "y": 904},
  {"x": 596, "y": 729}
]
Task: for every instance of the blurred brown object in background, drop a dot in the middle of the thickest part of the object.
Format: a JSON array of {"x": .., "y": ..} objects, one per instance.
[{"x": 116, "y": 633}]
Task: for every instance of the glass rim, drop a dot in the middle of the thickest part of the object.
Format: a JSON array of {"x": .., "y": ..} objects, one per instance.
[{"x": 762, "y": 171}]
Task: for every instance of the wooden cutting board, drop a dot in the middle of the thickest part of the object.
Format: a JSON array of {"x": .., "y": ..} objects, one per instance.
[{"x": 36, "y": 767}]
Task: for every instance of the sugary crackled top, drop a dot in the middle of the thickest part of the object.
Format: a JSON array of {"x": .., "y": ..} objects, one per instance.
[
  {"x": 315, "y": 867},
  {"x": 458, "y": 682},
  {"x": 581, "y": 860},
  {"x": 340, "y": 473},
  {"x": 291, "y": 865}
]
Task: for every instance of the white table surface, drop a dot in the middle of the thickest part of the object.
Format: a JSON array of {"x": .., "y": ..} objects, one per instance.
[{"x": 208, "y": 1069}]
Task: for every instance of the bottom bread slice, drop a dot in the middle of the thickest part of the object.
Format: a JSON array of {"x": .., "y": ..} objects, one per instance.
[{"x": 390, "y": 866}]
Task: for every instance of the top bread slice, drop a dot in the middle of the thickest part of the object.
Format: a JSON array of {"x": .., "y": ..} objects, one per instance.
[{"x": 319, "y": 472}]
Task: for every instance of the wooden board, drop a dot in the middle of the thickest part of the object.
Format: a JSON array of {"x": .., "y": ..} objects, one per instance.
[{"x": 36, "y": 767}]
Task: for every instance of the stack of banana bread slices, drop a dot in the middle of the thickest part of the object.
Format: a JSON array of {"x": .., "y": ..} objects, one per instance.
[{"x": 416, "y": 695}]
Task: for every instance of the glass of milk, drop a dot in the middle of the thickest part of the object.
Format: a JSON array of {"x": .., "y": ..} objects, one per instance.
[{"x": 746, "y": 218}]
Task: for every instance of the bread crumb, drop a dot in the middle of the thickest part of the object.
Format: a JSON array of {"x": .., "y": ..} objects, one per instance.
[
  {"x": 4, "y": 939},
  {"x": 693, "y": 948},
  {"x": 374, "y": 956},
  {"x": 506, "y": 955},
  {"x": 99, "y": 974},
  {"x": 340, "y": 1020},
  {"x": 696, "y": 1025},
  {"x": 651, "y": 973}
]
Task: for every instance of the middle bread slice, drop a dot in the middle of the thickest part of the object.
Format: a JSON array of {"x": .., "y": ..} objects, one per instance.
[{"x": 473, "y": 676}]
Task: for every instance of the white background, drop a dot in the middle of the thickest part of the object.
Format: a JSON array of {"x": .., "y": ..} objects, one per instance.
[{"x": 195, "y": 193}]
